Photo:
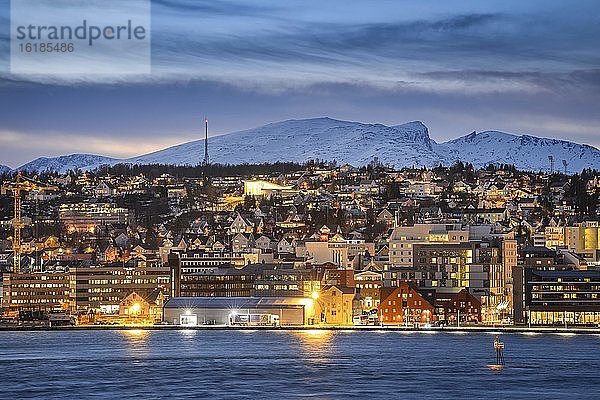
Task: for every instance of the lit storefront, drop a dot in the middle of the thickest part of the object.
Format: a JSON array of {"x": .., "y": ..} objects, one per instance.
[{"x": 558, "y": 297}]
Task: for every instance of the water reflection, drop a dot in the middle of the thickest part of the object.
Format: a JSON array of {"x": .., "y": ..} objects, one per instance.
[
  {"x": 566, "y": 334},
  {"x": 135, "y": 335},
  {"x": 188, "y": 333},
  {"x": 316, "y": 345},
  {"x": 137, "y": 340},
  {"x": 496, "y": 367}
]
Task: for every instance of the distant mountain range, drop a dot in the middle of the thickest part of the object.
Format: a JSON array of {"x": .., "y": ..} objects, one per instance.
[{"x": 354, "y": 143}]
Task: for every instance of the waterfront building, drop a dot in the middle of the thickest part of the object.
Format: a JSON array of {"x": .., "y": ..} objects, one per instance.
[
  {"x": 142, "y": 307},
  {"x": 557, "y": 295},
  {"x": 458, "y": 306},
  {"x": 369, "y": 284},
  {"x": 102, "y": 288},
  {"x": 44, "y": 291},
  {"x": 239, "y": 311},
  {"x": 405, "y": 305},
  {"x": 338, "y": 305}
]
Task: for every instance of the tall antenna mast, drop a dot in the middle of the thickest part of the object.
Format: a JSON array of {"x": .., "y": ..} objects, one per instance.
[
  {"x": 206, "y": 160},
  {"x": 565, "y": 164}
]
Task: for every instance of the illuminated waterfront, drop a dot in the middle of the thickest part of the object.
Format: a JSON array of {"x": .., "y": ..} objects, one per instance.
[{"x": 298, "y": 364}]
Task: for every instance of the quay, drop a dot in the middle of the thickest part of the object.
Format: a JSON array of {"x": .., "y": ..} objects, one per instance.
[{"x": 370, "y": 328}]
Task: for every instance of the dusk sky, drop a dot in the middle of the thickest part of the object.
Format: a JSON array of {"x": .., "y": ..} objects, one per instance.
[{"x": 522, "y": 67}]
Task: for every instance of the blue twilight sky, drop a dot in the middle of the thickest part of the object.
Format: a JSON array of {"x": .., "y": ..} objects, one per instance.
[{"x": 517, "y": 66}]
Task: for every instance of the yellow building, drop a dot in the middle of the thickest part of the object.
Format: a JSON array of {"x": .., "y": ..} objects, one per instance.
[
  {"x": 337, "y": 305},
  {"x": 142, "y": 307}
]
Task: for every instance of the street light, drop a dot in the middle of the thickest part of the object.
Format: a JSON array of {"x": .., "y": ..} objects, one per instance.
[
  {"x": 135, "y": 308},
  {"x": 315, "y": 297}
]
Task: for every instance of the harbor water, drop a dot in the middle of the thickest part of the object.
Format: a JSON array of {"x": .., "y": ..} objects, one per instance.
[{"x": 316, "y": 364}]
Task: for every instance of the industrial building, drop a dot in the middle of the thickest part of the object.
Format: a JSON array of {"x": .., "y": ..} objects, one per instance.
[{"x": 242, "y": 311}]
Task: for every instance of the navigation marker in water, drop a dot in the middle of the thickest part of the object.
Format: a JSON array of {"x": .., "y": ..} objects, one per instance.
[{"x": 499, "y": 347}]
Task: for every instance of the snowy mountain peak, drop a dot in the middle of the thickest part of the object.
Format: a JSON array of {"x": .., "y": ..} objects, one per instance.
[{"x": 416, "y": 131}]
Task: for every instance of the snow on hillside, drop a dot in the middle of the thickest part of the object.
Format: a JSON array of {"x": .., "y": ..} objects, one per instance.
[
  {"x": 354, "y": 143},
  {"x": 66, "y": 163},
  {"x": 299, "y": 140},
  {"x": 526, "y": 152}
]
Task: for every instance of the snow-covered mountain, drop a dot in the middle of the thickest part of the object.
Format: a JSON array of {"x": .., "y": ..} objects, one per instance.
[
  {"x": 66, "y": 163},
  {"x": 300, "y": 140},
  {"x": 4, "y": 169},
  {"x": 525, "y": 152},
  {"x": 354, "y": 143}
]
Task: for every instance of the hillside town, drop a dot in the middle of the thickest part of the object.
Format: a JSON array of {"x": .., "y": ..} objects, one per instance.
[{"x": 300, "y": 244}]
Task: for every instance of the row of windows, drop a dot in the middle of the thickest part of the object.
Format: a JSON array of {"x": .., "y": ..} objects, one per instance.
[
  {"x": 34, "y": 294},
  {"x": 242, "y": 293},
  {"x": 368, "y": 286},
  {"x": 40, "y": 285},
  {"x": 277, "y": 287},
  {"x": 34, "y": 301},
  {"x": 217, "y": 278},
  {"x": 212, "y": 286}
]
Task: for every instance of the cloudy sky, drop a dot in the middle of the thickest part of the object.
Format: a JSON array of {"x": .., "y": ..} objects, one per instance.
[{"x": 522, "y": 67}]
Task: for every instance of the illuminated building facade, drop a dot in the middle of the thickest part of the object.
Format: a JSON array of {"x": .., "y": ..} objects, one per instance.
[
  {"x": 83, "y": 217},
  {"x": 103, "y": 288},
  {"x": 557, "y": 295},
  {"x": 45, "y": 291},
  {"x": 369, "y": 284},
  {"x": 264, "y": 280},
  {"x": 263, "y": 188}
]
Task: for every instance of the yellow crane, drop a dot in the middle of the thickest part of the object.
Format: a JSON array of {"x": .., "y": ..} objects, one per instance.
[{"x": 21, "y": 184}]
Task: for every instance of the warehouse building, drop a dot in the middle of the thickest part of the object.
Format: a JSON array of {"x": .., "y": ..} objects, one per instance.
[{"x": 238, "y": 311}]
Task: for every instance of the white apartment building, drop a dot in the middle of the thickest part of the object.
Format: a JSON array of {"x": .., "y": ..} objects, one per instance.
[{"x": 403, "y": 238}]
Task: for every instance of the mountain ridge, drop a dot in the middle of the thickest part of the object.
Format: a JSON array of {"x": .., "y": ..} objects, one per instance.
[{"x": 355, "y": 143}]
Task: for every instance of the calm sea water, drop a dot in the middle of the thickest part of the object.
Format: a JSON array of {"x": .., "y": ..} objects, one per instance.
[{"x": 295, "y": 364}]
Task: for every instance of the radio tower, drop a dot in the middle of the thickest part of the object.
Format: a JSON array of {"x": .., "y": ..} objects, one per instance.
[{"x": 205, "y": 162}]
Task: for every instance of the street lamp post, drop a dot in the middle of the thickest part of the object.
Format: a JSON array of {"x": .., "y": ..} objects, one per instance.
[{"x": 322, "y": 309}]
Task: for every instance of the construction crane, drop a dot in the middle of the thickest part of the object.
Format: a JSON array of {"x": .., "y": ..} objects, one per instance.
[{"x": 21, "y": 184}]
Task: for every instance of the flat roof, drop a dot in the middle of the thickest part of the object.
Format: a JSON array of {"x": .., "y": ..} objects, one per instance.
[
  {"x": 579, "y": 273},
  {"x": 237, "y": 302}
]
